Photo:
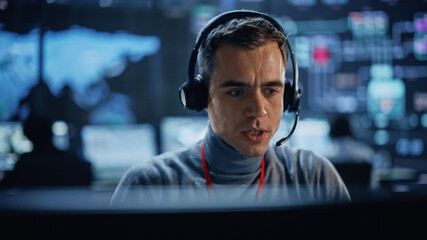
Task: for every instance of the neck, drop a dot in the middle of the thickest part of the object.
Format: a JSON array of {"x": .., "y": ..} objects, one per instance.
[{"x": 224, "y": 159}]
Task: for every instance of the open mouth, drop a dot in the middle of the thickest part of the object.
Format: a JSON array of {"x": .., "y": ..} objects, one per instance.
[
  {"x": 255, "y": 132},
  {"x": 255, "y": 136}
]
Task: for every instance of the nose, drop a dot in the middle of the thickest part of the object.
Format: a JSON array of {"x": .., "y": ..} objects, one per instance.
[{"x": 256, "y": 106}]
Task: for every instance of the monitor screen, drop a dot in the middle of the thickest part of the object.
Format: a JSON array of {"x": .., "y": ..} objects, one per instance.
[
  {"x": 13, "y": 144},
  {"x": 179, "y": 132},
  {"x": 310, "y": 134},
  {"x": 113, "y": 149}
]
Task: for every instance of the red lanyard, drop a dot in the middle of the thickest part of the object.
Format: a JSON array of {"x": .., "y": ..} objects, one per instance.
[{"x": 208, "y": 178}]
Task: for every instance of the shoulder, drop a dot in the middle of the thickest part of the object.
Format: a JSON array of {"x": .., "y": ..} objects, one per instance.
[
  {"x": 170, "y": 168},
  {"x": 165, "y": 169},
  {"x": 304, "y": 160},
  {"x": 309, "y": 169}
]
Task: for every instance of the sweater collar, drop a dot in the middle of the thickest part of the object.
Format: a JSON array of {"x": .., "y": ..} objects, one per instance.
[{"x": 225, "y": 160}]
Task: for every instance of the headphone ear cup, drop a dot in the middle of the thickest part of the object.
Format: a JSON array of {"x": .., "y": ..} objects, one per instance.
[
  {"x": 186, "y": 96},
  {"x": 288, "y": 95},
  {"x": 193, "y": 95},
  {"x": 200, "y": 93}
]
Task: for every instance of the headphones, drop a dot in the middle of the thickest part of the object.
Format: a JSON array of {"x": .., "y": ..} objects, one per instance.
[{"x": 193, "y": 94}]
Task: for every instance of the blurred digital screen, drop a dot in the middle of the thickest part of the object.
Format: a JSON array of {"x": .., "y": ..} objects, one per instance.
[
  {"x": 367, "y": 60},
  {"x": 310, "y": 134},
  {"x": 113, "y": 149},
  {"x": 89, "y": 58},
  {"x": 180, "y": 132},
  {"x": 13, "y": 144},
  {"x": 19, "y": 63}
]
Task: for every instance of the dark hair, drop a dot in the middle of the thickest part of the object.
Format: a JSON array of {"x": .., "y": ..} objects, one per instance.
[{"x": 247, "y": 33}]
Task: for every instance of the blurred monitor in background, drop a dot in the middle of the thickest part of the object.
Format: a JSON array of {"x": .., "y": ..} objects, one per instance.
[
  {"x": 181, "y": 131},
  {"x": 310, "y": 134},
  {"x": 112, "y": 149},
  {"x": 13, "y": 144},
  {"x": 352, "y": 157},
  {"x": 45, "y": 164},
  {"x": 344, "y": 146}
]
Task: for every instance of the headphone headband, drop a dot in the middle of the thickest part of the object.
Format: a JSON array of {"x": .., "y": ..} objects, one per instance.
[{"x": 224, "y": 18}]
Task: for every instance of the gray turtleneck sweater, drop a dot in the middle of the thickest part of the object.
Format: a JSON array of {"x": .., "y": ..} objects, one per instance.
[{"x": 294, "y": 172}]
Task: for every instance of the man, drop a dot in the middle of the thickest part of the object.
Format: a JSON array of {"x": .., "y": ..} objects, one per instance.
[
  {"x": 45, "y": 165},
  {"x": 242, "y": 64}
]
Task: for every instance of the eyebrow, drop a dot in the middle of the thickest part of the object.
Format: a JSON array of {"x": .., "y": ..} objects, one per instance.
[
  {"x": 276, "y": 83},
  {"x": 234, "y": 83}
]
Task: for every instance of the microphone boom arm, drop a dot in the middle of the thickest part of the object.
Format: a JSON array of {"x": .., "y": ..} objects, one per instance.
[{"x": 283, "y": 140}]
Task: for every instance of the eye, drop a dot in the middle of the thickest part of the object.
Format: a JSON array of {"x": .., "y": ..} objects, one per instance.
[
  {"x": 271, "y": 91},
  {"x": 236, "y": 92}
]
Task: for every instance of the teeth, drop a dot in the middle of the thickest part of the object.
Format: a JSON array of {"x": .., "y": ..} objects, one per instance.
[{"x": 255, "y": 132}]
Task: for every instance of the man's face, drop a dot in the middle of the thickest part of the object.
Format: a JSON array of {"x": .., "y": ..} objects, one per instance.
[{"x": 246, "y": 96}]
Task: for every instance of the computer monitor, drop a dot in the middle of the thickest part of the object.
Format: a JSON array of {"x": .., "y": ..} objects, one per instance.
[
  {"x": 13, "y": 144},
  {"x": 180, "y": 131},
  {"x": 310, "y": 133},
  {"x": 113, "y": 149}
]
